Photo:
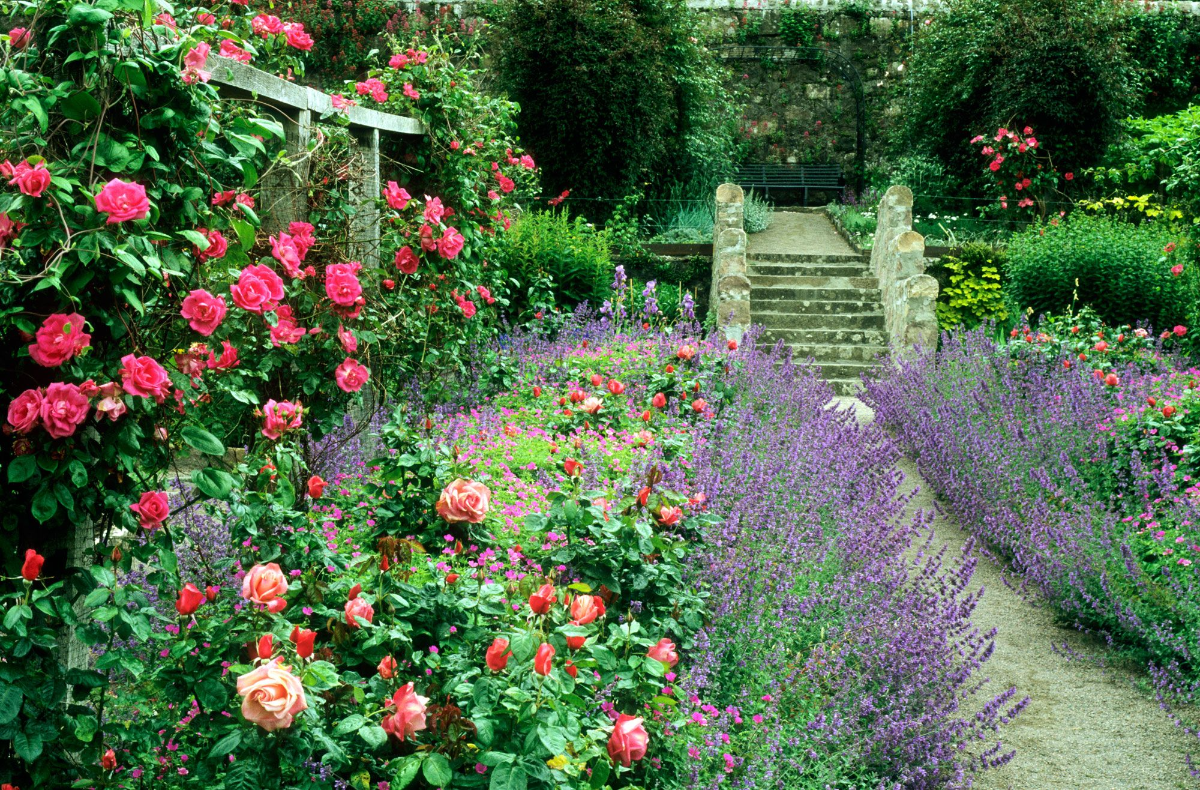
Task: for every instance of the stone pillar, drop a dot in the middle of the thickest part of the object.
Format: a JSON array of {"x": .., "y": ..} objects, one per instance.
[
  {"x": 283, "y": 196},
  {"x": 730, "y": 292},
  {"x": 893, "y": 218},
  {"x": 365, "y": 192},
  {"x": 909, "y": 295}
]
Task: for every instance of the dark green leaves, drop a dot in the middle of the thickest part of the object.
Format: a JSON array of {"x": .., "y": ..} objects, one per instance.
[
  {"x": 213, "y": 482},
  {"x": 436, "y": 770},
  {"x": 202, "y": 440}
]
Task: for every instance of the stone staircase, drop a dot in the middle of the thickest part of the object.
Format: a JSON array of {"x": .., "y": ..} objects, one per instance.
[{"x": 823, "y": 303}]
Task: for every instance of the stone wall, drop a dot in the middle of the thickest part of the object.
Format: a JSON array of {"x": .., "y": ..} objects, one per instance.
[
  {"x": 730, "y": 296},
  {"x": 909, "y": 295}
]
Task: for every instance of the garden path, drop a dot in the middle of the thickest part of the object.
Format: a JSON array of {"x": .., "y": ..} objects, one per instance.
[
  {"x": 813, "y": 292},
  {"x": 1085, "y": 727}
]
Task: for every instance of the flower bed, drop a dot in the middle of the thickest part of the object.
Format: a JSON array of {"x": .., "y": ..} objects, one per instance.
[
  {"x": 1070, "y": 451},
  {"x": 653, "y": 561}
]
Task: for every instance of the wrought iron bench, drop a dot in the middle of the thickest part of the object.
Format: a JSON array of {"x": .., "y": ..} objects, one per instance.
[{"x": 821, "y": 178}]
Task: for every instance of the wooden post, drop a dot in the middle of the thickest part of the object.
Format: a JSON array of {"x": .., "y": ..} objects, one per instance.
[
  {"x": 284, "y": 189},
  {"x": 365, "y": 231}
]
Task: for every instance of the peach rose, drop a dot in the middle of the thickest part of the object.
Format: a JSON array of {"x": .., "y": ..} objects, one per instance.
[
  {"x": 628, "y": 741},
  {"x": 271, "y": 696},
  {"x": 464, "y": 500},
  {"x": 664, "y": 651},
  {"x": 264, "y": 583},
  {"x": 358, "y": 607},
  {"x": 409, "y": 717}
]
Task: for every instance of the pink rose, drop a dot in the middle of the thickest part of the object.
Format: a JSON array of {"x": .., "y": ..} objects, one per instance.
[
  {"x": 281, "y": 416},
  {"x": 286, "y": 330},
  {"x": 64, "y": 407},
  {"x": 406, "y": 260},
  {"x": 434, "y": 210},
  {"x": 258, "y": 289},
  {"x": 397, "y": 196},
  {"x": 111, "y": 404},
  {"x": 25, "y": 411},
  {"x": 264, "y": 584},
  {"x": 217, "y": 245},
  {"x": 33, "y": 181},
  {"x": 19, "y": 37},
  {"x": 59, "y": 338},
  {"x": 409, "y": 716},
  {"x": 271, "y": 696},
  {"x": 351, "y": 375},
  {"x": 358, "y": 607},
  {"x": 193, "y": 63},
  {"x": 628, "y": 741},
  {"x": 152, "y": 509},
  {"x": 464, "y": 500},
  {"x": 203, "y": 311},
  {"x": 1180, "y": 331},
  {"x": 341, "y": 284},
  {"x": 664, "y": 652},
  {"x": 234, "y": 52},
  {"x": 229, "y": 357},
  {"x": 348, "y": 340},
  {"x": 122, "y": 201},
  {"x": 284, "y": 250},
  {"x": 297, "y": 38},
  {"x": 302, "y": 237},
  {"x": 265, "y": 24},
  {"x": 143, "y": 377},
  {"x": 450, "y": 244}
]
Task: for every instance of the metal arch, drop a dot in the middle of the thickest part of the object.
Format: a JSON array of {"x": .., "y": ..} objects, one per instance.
[{"x": 842, "y": 64}]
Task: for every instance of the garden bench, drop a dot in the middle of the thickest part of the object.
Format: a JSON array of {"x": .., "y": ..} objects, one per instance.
[{"x": 766, "y": 177}]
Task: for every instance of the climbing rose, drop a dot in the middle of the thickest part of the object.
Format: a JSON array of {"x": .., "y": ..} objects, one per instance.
[
  {"x": 450, "y": 244},
  {"x": 18, "y": 37},
  {"x": 271, "y": 696},
  {"x": 628, "y": 741},
  {"x": 341, "y": 284},
  {"x": 193, "y": 63},
  {"x": 358, "y": 607},
  {"x": 1177, "y": 269},
  {"x": 285, "y": 250},
  {"x": 464, "y": 500},
  {"x": 541, "y": 600},
  {"x": 25, "y": 411},
  {"x": 32, "y": 567},
  {"x": 409, "y": 716},
  {"x": 264, "y": 584},
  {"x": 348, "y": 340},
  {"x": 664, "y": 651},
  {"x": 218, "y": 245},
  {"x": 143, "y": 377},
  {"x": 59, "y": 338},
  {"x": 32, "y": 181},
  {"x": 152, "y": 509},
  {"x": 406, "y": 260},
  {"x": 203, "y": 311},
  {"x": 297, "y": 37},
  {"x": 351, "y": 375},
  {"x": 111, "y": 403},
  {"x": 586, "y": 608},
  {"x": 229, "y": 357},
  {"x": 1180, "y": 331},
  {"x": 122, "y": 201},
  {"x": 265, "y": 24},
  {"x": 397, "y": 196},
  {"x": 64, "y": 407},
  {"x": 497, "y": 654},
  {"x": 258, "y": 289},
  {"x": 189, "y": 599},
  {"x": 281, "y": 416},
  {"x": 316, "y": 487},
  {"x": 234, "y": 52},
  {"x": 544, "y": 660}
]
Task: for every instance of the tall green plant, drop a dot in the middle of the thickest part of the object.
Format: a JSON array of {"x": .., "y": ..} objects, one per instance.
[{"x": 546, "y": 250}]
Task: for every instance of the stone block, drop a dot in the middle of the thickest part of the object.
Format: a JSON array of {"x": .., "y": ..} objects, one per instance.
[
  {"x": 881, "y": 26},
  {"x": 816, "y": 92}
]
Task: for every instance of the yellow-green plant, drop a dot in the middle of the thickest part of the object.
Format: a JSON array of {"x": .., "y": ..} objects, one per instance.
[{"x": 974, "y": 294}]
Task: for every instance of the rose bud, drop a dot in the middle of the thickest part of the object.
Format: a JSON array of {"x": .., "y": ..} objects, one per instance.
[
  {"x": 541, "y": 600},
  {"x": 32, "y": 567},
  {"x": 189, "y": 599},
  {"x": 659, "y": 401},
  {"x": 451, "y": 578},
  {"x": 576, "y": 642},
  {"x": 210, "y": 592},
  {"x": 316, "y": 487},
  {"x": 109, "y": 761},
  {"x": 544, "y": 659},
  {"x": 498, "y": 654}
]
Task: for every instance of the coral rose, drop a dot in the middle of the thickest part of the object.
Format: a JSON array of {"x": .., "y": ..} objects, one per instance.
[
  {"x": 358, "y": 607},
  {"x": 152, "y": 509},
  {"x": 271, "y": 696},
  {"x": 59, "y": 338},
  {"x": 189, "y": 599},
  {"x": 122, "y": 201},
  {"x": 628, "y": 741},
  {"x": 316, "y": 487},
  {"x": 264, "y": 583},
  {"x": 586, "y": 608},
  {"x": 409, "y": 716},
  {"x": 664, "y": 651},
  {"x": 387, "y": 668},
  {"x": 64, "y": 407},
  {"x": 543, "y": 662},
  {"x": 464, "y": 500},
  {"x": 541, "y": 600},
  {"x": 25, "y": 411},
  {"x": 203, "y": 311}
]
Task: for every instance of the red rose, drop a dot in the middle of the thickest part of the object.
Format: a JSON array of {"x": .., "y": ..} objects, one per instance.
[
  {"x": 544, "y": 659},
  {"x": 498, "y": 654},
  {"x": 32, "y": 567},
  {"x": 316, "y": 487},
  {"x": 303, "y": 638},
  {"x": 541, "y": 600},
  {"x": 189, "y": 599}
]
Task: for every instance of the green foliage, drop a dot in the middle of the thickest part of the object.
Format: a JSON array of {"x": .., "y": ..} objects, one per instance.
[
  {"x": 548, "y": 249},
  {"x": 973, "y": 293},
  {"x": 616, "y": 95},
  {"x": 798, "y": 26},
  {"x": 1166, "y": 46},
  {"x": 1158, "y": 156},
  {"x": 756, "y": 212},
  {"x": 1114, "y": 267},
  {"x": 1061, "y": 66}
]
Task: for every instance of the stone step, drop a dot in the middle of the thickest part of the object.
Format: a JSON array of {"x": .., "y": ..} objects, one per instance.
[
  {"x": 758, "y": 269},
  {"x": 825, "y": 337},
  {"x": 844, "y": 370},
  {"x": 846, "y": 386},
  {"x": 785, "y": 318},
  {"x": 837, "y": 354},
  {"x": 812, "y": 306},
  {"x": 812, "y": 281},
  {"x": 809, "y": 294},
  {"x": 789, "y": 257}
]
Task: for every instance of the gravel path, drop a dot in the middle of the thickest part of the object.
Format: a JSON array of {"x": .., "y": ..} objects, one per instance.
[
  {"x": 793, "y": 232},
  {"x": 1084, "y": 727}
]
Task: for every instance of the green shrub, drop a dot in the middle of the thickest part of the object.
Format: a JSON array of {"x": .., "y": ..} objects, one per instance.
[
  {"x": 1158, "y": 156},
  {"x": 1114, "y": 267},
  {"x": 547, "y": 250},
  {"x": 616, "y": 95},
  {"x": 1062, "y": 67},
  {"x": 971, "y": 291},
  {"x": 756, "y": 212}
]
